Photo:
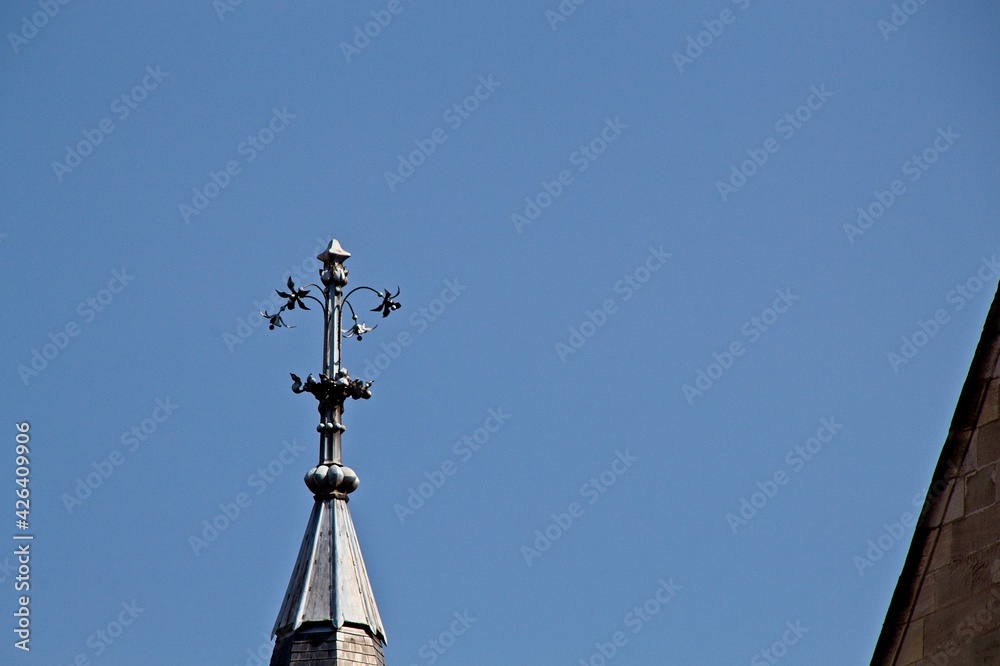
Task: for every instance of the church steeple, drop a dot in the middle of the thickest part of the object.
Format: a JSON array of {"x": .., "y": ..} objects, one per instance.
[{"x": 329, "y": 616}]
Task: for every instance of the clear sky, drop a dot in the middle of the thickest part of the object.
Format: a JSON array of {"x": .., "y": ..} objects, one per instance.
[{"x": 696, "y": 379}]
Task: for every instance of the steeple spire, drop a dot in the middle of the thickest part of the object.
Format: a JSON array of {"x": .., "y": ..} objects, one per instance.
[{"x": 329, "y": 616}]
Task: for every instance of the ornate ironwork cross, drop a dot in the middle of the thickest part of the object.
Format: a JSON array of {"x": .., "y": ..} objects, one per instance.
[{"x": 334, "y": 385}]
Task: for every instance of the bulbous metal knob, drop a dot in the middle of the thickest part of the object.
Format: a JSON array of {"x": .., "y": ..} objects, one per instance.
[
  {"x": 329, "y": 480},
  {"x": 350, "y": 482}
]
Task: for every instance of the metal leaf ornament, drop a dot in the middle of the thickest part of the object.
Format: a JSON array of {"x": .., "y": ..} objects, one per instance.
[
  {"x": 388, "y": 303},
  {"x": 275, "y": 320},
  {"x": 358, "y": 330},
  {"x": 293, "y": 295},
  {"x": 360, "y": 389}
]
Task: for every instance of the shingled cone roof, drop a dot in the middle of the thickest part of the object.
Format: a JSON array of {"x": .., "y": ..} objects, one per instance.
[
  {"x": 329, "y": 617},
  {"x": 946, "y": 607}
]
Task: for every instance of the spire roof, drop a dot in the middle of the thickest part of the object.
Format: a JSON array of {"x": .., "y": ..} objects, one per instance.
[
  {"x": 329, "y": 616},
  {"x": 329, "y": 582}
]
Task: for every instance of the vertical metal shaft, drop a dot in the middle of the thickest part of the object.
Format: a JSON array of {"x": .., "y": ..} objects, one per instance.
[
  {"x": 330, "y": 330},
  {"x": 334, "y": 342},
  {"x": 334, "y": 278}
]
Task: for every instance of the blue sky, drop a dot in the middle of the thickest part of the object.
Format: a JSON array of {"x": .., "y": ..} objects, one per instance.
[{"x": 585, "y": 216}]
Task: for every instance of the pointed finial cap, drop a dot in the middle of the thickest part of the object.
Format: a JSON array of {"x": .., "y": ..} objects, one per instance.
[{"x": 334, "y": 254}]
